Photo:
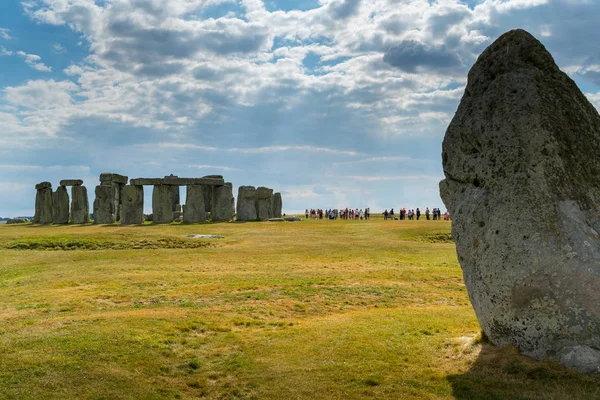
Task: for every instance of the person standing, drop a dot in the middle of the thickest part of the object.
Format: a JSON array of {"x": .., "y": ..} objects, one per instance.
[
  {"x": 427, "y": 213},
  {"x": 418, "y": 213}
]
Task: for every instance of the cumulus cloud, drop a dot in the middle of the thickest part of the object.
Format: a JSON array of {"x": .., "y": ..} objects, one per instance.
[
  {"x": 34, "y": 61},
  {"x": 5, "y": 34},
  {"x": 411, "y": 55}
]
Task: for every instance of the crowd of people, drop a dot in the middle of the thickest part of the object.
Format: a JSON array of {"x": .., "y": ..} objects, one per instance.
[{"x": 359, "y": 214}]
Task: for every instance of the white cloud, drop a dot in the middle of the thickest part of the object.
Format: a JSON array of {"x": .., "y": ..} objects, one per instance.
[
  {"x": 4, "y": 52},
  {"x": 217, "y": 167},
  {"x": 58, "y": 48},
  {"x": 5, "y": 34},
  {"x": 34, "y": 61}
]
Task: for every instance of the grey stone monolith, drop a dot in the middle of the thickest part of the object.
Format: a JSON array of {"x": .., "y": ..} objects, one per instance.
[
  {"x": 246, "y": 204},
  {"x": 117, "y": 182},
  {"x": 277, "y": 205},
  {"x": 132, "y": 202},
  {"x": 175, "y": 197},
  {"x": 208, "y": 197},
  {"x": 80, "y": 206},
  {"x": 60, "y": 206},
  {"x": 194, "y": 209},
  {"x": 521, "y": 163},
  {"x": 43, "y": 204},
  {"x": 162, "y": 204},
  {"x": 222, "y": 209},
  {"x": 264, "y": 203},
  {"x": 104, "y": 205}
]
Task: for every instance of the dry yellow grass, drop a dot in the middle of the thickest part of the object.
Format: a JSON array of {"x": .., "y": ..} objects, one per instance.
[{"x": 307, "y": 310}]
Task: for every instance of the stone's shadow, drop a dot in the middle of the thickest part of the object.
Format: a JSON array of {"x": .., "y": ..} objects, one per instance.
[{"x": 499, "y": 372}]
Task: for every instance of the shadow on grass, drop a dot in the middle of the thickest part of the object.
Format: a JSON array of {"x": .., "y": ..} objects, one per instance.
[{"x": 502, "y": 373}]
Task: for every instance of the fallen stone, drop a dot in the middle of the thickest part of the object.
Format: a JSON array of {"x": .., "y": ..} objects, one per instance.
[
  {"x": 80, "y": 205},
  {"x": 104, "y": 206},
  {"x": 581, "y": 358},
  {"x": 60, "y": 206},
  {"x": 292, "y": 218},
  {"x": 194, "y": 210},
  {"x": 71, "y": 182},
  {"x": 133, "y": 205},
  {"x": 264, "y": 203},
  {"x": 193, "y": 236},
  {"x": 162, "y": 206},
  {"x": 222, "y": 209},
  {"x": 246, "y": 204},
  {"x": 17, "y": 221},
  {"x": 521, "y": 163},
  {"x": 277, "y": 205}
]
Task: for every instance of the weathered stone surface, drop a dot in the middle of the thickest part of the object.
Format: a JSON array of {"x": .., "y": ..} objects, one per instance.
[
  {"x": 162, "y": 206},
  {"x": 104, "y": 205},
  {"x": 208, "y": 198},
  {"x": 222, "y": 209},
  {"x": 177, "y": 181},
  {"x": 213, "y": 176},
  {"x": 194, "y": 209},
  {"x": 116, "y": 178},
  {"x": 246, "y": 204},
  {"x": 71, "y": 182},
  {"x": 43, "y": 205},
  {"x": 43, "y": 185},
  {"x": 277, "y": 205},
  {"x": 60, "y": 206},
  {"x": 264, "y": 204},
  {"x": 292, "y": 218},
  {"x": 17, "y": 221},
  {"x": 521, "y": 164},
  {"x": 80, "y": 205},
  {"x": 132, "y": 201}
]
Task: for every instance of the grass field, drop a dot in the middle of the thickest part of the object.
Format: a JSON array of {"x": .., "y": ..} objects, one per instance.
[{"x": 306, "y": 310}]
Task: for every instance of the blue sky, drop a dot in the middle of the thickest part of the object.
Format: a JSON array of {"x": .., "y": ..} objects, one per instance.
[{"x": 334, "y": 103}]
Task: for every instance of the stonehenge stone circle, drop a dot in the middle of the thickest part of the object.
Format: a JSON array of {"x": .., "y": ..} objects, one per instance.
[
  {"x": 162, "y": 204},
  {"x": 175, "y": 199},
  {"x": 132, "y": 201},
  {"x": 60, "y": 206},
  {"x": 277, "y": 205},
  {"x": 117, "y": 182},
  {"x": 222, "y": 204},
  {"x": 246, "y": 204},
  {"x": 194, "y": 210},
  {"x": 43, "y": 203},
  {"x": 522, "y": 167},
  {"x": 104, "y": 205},
  {"x": 80, "y": 206},
  {"x": 71, "y": 182},
  {"x": 264, "y": 205}
]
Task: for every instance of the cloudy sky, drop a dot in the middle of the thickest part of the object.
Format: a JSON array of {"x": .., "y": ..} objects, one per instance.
[{"x": 332, "y": 102}]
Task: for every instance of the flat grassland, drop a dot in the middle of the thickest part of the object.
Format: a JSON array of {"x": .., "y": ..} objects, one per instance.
[{"x": 306, "y": 310}]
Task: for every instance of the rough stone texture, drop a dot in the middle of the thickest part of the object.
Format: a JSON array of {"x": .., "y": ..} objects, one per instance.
[
  {"x": 43, "y": 185},
  {"x": 222, "y": 209},
  {"x": 277, "y": 205},
  {"x": 80, "y": 206},
  {"x": 246, "y": 204},
  {"x": 162, "y": 204},
  {"x": 115, "y": 178},
  {"x": 208, "y": 198},
  {"x": 104, "y": 205},
  {"x": 43, "y": 204},
  {"x": 521, "y": 164},
  {"x": 17, "y": 221},
  {"x": 71, "y": 182},
  {"x": 177, "y": 181},
  {"x": 194, "y": 209},
  {"x": 292, "y": 218},
  {"x": 583, "y": 358},
  {"x": 133, "y": 205},
  {"x": 264, "y": 203},
  {"x": 174, "y": 192},
  {"x": 60, "y": 206}
]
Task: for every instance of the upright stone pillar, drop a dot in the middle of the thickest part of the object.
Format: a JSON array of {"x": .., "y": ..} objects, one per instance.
[
  {"x": 175, "y": 196},
  {"x": 221, "y": 206},
  {"x": 209, "y": 193},
  {"x": 264, "y": 204},
  {"x": 246, "y": 204},
  {"x": 80, "y": 206},
  {"x": 132, "y": 201},
  {"x": 60, "y": 206},
  {"x": 162, "y": 204},
  {"x": 277, "y": 205},
  {"x": 104, "y": 205},
  {"x": 195, "y": 209},
  {"x": 43, "y": 203},
  {"x": 117, "y": 182}
]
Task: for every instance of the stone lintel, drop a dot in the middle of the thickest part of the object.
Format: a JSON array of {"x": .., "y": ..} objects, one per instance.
[
  {"x": 176, "y": 181},
  {"x": 116, "y": 178},
  {"x": 43, "y": 185},
  {"x": 71, "y": 182}
]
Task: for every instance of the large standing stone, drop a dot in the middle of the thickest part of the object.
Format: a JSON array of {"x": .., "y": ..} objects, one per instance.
[
  {"x": 194, "y": 210},
  {"x": 80, "y": 206},
  {"x": 60, "y": 206},
  {"x": 104, "y": 205},
  {"x": 246, "y": 204},
  {"x": 208, "y": 197},
  {"x": 43, "y": 203},
  {"x": 222, "y": 209},
  {"x": 521, "y": 164},
  {"x": 162, "y": 204},
  {"x": 132, "y": 201},
  {"x": 175, "y": 197},
  {"x": 264, "y": 204},
  {"x": 117, "y": 182},
  {"x": 277, "y": 205}
]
